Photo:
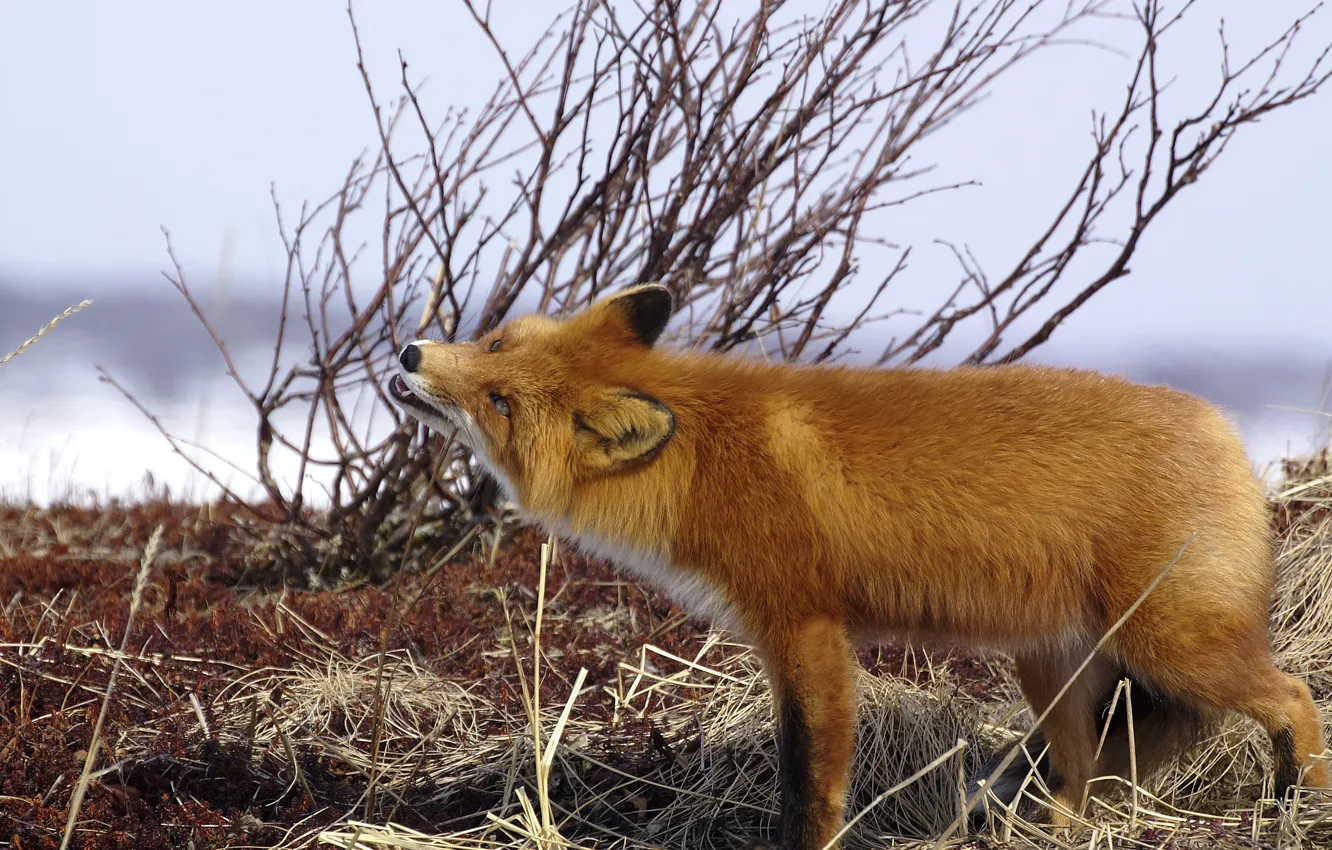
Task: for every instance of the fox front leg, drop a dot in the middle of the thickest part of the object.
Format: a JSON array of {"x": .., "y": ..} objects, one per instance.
[{"x": 810, "y": 668}]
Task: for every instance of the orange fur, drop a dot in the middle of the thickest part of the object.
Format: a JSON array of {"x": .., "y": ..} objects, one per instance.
[{"x": 1017, "y": 507}]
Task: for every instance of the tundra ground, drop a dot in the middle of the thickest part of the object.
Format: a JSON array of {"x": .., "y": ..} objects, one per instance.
[{"x": 246, "y": 714}]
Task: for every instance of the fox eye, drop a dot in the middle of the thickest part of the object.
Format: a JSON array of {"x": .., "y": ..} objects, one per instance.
[
  {"x": 501, "y": 404},
  {"x": 495, "y": 345}
]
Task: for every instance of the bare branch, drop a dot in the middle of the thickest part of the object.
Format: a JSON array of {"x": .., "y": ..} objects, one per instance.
[{"x": 748, "y": 160}]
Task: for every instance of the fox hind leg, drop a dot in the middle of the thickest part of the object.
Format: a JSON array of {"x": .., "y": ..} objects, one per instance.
[
  {"x": 1228, "y": 666},
  {"x": 1282, "y": 704}
]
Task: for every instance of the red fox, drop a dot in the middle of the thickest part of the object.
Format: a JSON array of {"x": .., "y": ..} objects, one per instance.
[{"x": 1014, "y": 507}]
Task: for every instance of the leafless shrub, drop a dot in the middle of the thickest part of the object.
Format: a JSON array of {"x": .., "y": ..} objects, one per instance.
[{"x": 745, "y": 160}]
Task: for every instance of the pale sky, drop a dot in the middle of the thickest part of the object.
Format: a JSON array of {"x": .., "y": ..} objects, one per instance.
[
  {"x": 121, "y": 118},
  {"x": 130, "y": 116}
]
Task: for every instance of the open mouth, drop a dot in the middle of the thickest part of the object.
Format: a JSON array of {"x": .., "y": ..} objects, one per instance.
[{"x": 400, "y": 392}]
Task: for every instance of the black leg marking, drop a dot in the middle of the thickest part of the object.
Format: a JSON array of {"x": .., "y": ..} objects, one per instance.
[
  {"x": 794, "y": 762},
  {"x": 1284, "y": 764},
  {"x": 1008, "y": 784}
]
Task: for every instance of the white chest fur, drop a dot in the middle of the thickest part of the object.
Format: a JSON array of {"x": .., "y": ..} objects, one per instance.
[{"x": 685, "y": 588}]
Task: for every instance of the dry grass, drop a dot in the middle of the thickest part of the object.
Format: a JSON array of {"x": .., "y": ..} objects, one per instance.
[
  {"x": 431, "y": 727},
  {"x": 49, "y": 326},
  {"x": 717, "y": 777},
  {"x": 915, "y": 742},
  {"x": 919, "y": 742},
  {"x": 136, "y": 599},
  {"x": 290, "y": 726}
]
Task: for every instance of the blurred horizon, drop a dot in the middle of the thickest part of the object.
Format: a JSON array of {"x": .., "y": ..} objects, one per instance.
[{"x": 81, "y": 436}]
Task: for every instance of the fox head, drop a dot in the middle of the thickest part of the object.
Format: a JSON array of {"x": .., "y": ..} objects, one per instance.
[{"x": 546, "y": 404}]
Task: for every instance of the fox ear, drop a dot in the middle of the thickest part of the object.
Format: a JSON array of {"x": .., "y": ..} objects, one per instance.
[
  {"x": 620, "y": 427},
  {"x": 642, "y": 311}
]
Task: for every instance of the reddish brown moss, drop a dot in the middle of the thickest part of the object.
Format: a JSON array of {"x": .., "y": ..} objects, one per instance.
[{"x": 68, "y": 590}]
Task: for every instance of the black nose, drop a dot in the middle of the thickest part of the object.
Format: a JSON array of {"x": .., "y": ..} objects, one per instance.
[{"x": 410, "y": 358}]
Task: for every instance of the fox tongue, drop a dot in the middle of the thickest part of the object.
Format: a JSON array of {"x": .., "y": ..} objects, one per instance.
[{"x": 399, "y": 388}]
